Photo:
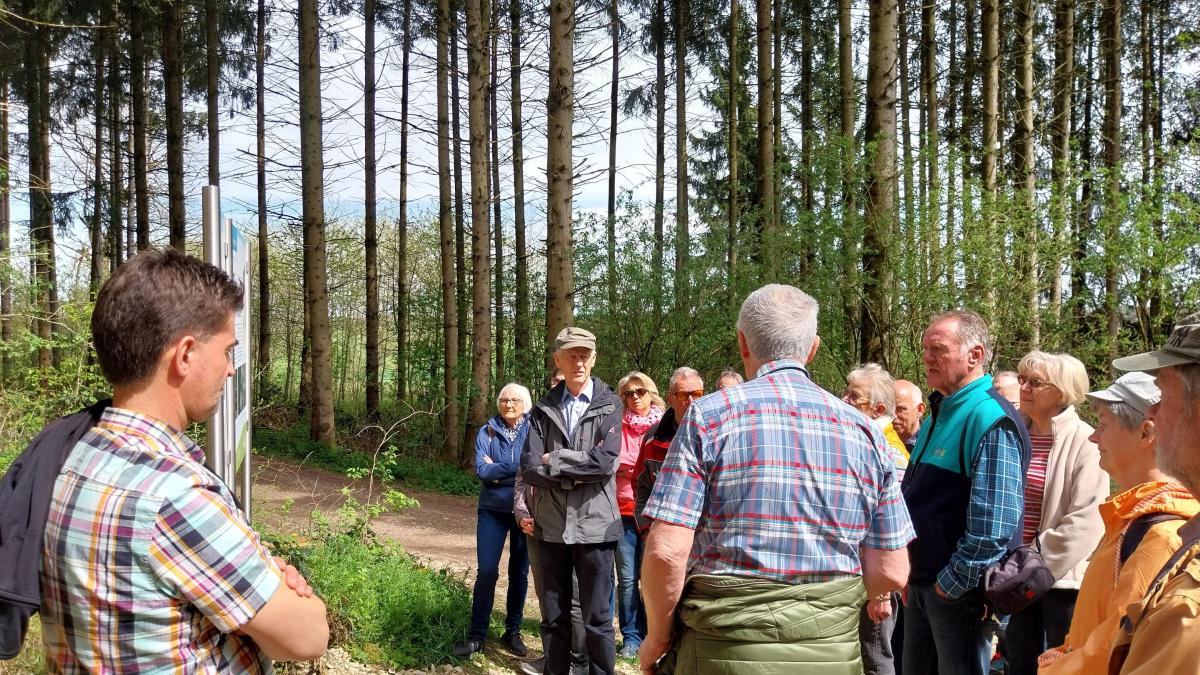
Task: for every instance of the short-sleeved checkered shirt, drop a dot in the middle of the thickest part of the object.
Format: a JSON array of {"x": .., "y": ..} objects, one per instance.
[
  {"x": 148, "y": 565},
  {"x": 780, "y": 480}
]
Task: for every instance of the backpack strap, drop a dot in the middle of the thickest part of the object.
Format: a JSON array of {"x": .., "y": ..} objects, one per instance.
[{"x": 1137, "y": 531}]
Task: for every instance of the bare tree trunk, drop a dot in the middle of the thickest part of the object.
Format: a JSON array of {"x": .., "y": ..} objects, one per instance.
[
  {"x": 560, "y": 280},
  {"x": 1024, "y": 149},
  {"x": 369, "y": 218},
  {"x": 524, "y": 329},
  {"x": 41, "y": 214},
  {"x": 614, "y": 20},
  {"x": 478, "y": 12},
  {"x": 991, "y": 95},
  {"x": 766, "y": 144},
  {"x": 96, "y": 225},
  {"x": 1158, "y": 315},
  {"x": 807, "y": 129},
  {"x": 850, "y": 307},
  {"x": 731, "y": 232},
  {"x": 932, "y": 214},
  {"x": 260, "y": 166},
  {"x": 172, "y": 42},
  {"x": 446, "y": 228},
  {"x": 321, "y": 427},
  {"x": 683, "y": 242},
  {"x": 911, "y": 240},
  {"x": 1111, "y": 137},
  {"x": 880, "y": 212},
  {"x": 402, "y": 287},
  {"x": 777, "y": 111},
  {"x": 1060, "y": 141},
  {"x": 212, "y": 62}
]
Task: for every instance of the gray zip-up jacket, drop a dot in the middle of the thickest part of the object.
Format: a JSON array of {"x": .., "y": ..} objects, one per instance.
[{"x": 574, "y": 496}]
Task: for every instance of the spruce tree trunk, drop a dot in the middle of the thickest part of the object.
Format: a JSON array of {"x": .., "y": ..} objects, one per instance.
[
  {"x": 402, "y": 287},
  {"x": 41, "y": 214},
  {"x": 137, "y": 90},
  {"x": 1060, "y": 142},
  {"x": 260, "y": 170},
  {"x": 683, "y": 242},
  {"x": 321, "y": 427},
  {"x": 524, "y": 329},
  {"x": 478, "y": 12},
  {"x": 851, "y": 236},
  {"x": 96, "y": 223},
  {"x": 212, "y": 63},
  {"x": 369, "y": 217},
  {"x": 1025, "y": 168},
  {"x": 460, "y": 230},
  {"x": 5, "y": 231},
  {"x": 1111, "y": 139},
  {"x": 560, "y": 281},
  {"x": 990, "y": 21},
  {"x": 494, "y": 191},
  {"x": 660, "y": 154},
  {"x": 614, "y": 20},
  {"x": 880, "y": 211},
  {"x": 807, "y": 130},
  {"x": 446, "y": 229},
  {"x": 1082, "y": 222},
  {"x": 116, "y": 156},
  {"x": 172, "y": 41},
  {"x": 731, "y": 230},
  {"x": 766, "y": 145},
  {"x": 932, "y": 214}
]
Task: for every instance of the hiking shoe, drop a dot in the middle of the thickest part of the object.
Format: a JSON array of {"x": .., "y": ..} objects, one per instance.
[
  {"x": 514, "y": 644},
  {"x": 466, "y": 648},
  {"x": 629, "y": 650}
]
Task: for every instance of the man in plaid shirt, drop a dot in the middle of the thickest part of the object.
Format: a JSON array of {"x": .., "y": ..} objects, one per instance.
[
  {"x": 778, "y": 503},
  {"x": 148, "y": 565}
]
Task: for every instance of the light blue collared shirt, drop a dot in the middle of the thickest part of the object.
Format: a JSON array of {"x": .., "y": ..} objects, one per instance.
[{"x": 573, "y": 407}]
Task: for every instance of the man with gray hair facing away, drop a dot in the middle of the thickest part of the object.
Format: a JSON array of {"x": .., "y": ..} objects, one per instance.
[{"x": 773, "y": 493}]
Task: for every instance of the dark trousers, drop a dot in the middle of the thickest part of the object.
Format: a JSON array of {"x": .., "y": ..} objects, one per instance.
[
  {"x": 578, "y": 636},
  {"x": 944, "y": 636},
  {"x": 592, "y": 564},
  {"x": 1036, "y": 628},
  {"x": 491, "y": 529},
  {"x": 875, "y": 640}
]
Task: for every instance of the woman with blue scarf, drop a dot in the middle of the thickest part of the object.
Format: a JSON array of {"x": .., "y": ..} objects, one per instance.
[{"x": 497, "y": 458}]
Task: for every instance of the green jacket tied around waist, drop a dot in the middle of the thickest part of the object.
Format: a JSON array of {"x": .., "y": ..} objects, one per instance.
[{"x": 754, "y": 626}]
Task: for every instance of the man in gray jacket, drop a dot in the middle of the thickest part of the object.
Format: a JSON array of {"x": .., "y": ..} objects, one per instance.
[{"x": 570, "y": 459}]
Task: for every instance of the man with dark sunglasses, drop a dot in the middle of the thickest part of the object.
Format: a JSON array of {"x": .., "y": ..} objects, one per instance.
[{"x": 685, "y": 386}]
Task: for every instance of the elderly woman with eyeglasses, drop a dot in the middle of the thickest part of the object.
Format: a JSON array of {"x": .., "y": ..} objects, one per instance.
[
  {"x": 497, "y": 457},
  {"x": 643, "y": 409},
  {"x": 1064, "y": 488}
]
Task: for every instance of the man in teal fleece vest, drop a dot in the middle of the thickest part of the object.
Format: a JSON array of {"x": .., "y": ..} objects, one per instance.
[{"x": 964, "y": 489}]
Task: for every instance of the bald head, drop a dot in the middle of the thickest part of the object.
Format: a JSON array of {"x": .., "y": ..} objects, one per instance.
[{"x": 910, "y": 408}]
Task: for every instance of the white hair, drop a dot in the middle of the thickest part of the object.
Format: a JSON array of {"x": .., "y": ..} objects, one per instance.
[
  {"x": 779, "y": 322},
  {"x": 521, "y": 392},
  {"x": 881, "y": 387},
  {"x": 683, "y": 372}
]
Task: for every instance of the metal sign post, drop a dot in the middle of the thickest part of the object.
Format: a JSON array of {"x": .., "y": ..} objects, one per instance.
[{"x": 228, "y": 450}]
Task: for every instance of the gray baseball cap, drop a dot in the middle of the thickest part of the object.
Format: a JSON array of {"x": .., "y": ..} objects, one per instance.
[
  {"x": 571, "y": 337},
  {"x": 1183, "y": 347},
  {"x": 1137, "y": 390}
]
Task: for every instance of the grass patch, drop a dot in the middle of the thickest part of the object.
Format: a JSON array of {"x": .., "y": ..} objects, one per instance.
[
  {"x": 384, "y": 607},
  {"x": 31, "y": 660},
  {"x": 293, "y": 443}
]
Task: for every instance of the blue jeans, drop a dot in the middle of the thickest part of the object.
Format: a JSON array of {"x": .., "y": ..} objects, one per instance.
[
  {"x": 630, "y": 615},
  {"x": 1038, "y": 627},
  {"x": 490, "y": 531},
  {"x": 944, "y": 636}
]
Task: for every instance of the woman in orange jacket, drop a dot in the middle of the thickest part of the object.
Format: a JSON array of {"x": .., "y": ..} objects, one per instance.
[{"x": 1141, "y": 526}]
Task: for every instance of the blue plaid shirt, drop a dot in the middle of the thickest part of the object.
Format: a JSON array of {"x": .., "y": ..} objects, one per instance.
[
  {"x": 994, "y": 511},
  {"x": 781, "y": 480}
]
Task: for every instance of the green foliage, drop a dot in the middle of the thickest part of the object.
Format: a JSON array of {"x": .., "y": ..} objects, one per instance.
[
  {"x": 31, "y": 660},
  {"x": 383, "y": 604}
]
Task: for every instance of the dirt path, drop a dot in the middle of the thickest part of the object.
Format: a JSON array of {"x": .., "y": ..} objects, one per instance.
[{"x": 441, "y": 532}]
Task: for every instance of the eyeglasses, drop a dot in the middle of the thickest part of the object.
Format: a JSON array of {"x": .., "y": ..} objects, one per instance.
[
  {"x": 1033, "y": 382},
  {"x": 639, "y": 392},
  {"x": 693, "y": 394},
  {"x": 511, "y": 401},
  {"x": 853, "y": 397}
]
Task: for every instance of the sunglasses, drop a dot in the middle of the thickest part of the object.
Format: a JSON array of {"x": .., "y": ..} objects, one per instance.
[
  {"x": 693, "y": 394},
  {"x": 1033, "y": 382},
  {"x": 639, "y": 392}
]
